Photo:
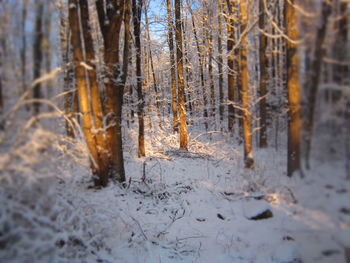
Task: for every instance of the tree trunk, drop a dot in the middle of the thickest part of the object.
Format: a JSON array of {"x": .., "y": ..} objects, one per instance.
[
  {"x": 97, "y": 110},
  {"x": 201, "y": 68},
  {"x": 209, "y": 36},
  {"x": 38, "y": 54},
  {"x": 173, "y": 66},
  {"x": 47, "y": 50},
  {"x": 293, "y": 85},
  {"x": 97, "y": 166},
  {"x": 24, "y": 47},
  {"x": 180, "y": 77},
  {"x": 155, "y": 86},
  {"x": 220, "y": 63},
  {"x": 230, "y": 65},
  {"x": 1, "y": 91},
  {"x": 136, "y": 9},
  {"x": 340, "y": 46},
  {"x": 68, "y": 72},
  {"x": 247, "y": 126},
  {"x": 263, "y": 82},
  {"x": 188, "y": 72},
  {"x": 114, "y": 95},
  {"x": 314, "y": 76}
]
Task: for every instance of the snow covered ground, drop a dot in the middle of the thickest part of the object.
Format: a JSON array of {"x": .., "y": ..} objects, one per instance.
[{"x": 177, "y": 207}]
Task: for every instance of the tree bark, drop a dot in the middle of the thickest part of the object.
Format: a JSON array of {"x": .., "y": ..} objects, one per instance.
[
  {"x": 114, "y": 95},
  {"x": 97, "y": 111},
  {"x": 293, "y": 86},
  {"x": 314, "y": 76},
  {"x": 341, "y": 70},
  {"x": 180, "y": 77},
  {"x": 155, "y": 86},
  {"x": 230, "y": 65},
  {"x": 263, "y": 82},
  {"x": 136, "y": 9},
  {"x": 247, "y": 129},
  {"x": 172, "y": 67},
  {"x": 47, "y": 48},
  {"x": 201, "y": 68},
  {"x": 209, "y": 37},
  {"x": 97, "y": 166},
  {"x": 24, "y": 47},
  {"x": 38, "y": 54},
  {"x": 68, "y": 72},
  {"x": 220, "y": 63}
]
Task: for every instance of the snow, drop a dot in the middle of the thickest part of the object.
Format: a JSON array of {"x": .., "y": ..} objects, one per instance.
[{"x": 189, "y": 207}]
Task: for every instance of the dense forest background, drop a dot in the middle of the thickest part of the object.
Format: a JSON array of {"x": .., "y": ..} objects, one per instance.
[{"x": 110, "y": 101}]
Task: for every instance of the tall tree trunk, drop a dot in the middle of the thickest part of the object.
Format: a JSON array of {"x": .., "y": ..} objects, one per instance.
[
  {"x": 68, "y": 72},
  {"x": 155, "y": 86},
  {"x": 293, "y": 85},
  {"x": 189, "y": 107},
  {"x": 96, "y": 104},
  {"x": 47, "y": 49},
  {"x": 97, "y": 166},
  {"x": 38, "y": 54},
  {"x": 263, "y": 82},
  {"x": 247, "y": 126},
  {"x": 172, "y": 66},
  {"x": 136, "y": 9},
  {"x": 340, "y": 47},
  {"x": 201, "y": 67},
  {"x": 313, "y": 78},
  {"x": 209, "y": 37},
  {"x": 114, "y": 95},
  {"x": 220, "y": 63},
  {"x": 187, "y": 71},
  {"x": 24, "y": 47},
  {"x": 230, "y": 65},
  {"x": 1, "y": 72},
  {"x": 180, "y": 77}
]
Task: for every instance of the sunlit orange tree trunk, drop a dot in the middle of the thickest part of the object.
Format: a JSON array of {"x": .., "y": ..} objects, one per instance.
[
  {"x": 180, "y": 77},
  {"x": 98, "y": 162},
  {"x": 247, "y": 123},
  {"x": 101, "y": 125},
  {"x": 293, "y": 85}
]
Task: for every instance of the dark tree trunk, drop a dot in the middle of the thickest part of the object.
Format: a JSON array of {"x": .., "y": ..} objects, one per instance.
[
  {"x": 173, "y": 66},
  {"x": 231, "y": 27},
  {"x": 136, "y": 10},
  {"x": 38, "y": 54},
  {"x": 220, "y": 64},
  {"x": 24, "y": 47},
  {"x": 201, "y": 68},
  {"x": 313, "y": 78},
  {"x": 263, "y": 82},
  {"x": 114, "y": 95}
]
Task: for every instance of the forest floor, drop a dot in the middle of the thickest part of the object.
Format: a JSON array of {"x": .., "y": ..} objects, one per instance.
[{"x": 197, "y": 206}]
